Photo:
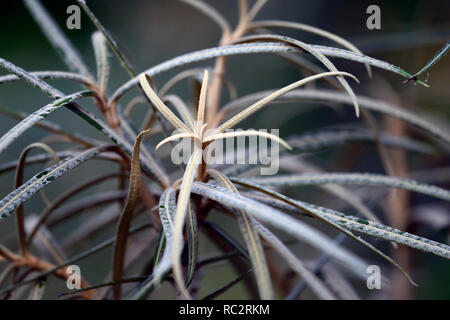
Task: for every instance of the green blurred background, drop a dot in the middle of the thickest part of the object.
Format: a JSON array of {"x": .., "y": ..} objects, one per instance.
[{"x": 155, "y": 30}]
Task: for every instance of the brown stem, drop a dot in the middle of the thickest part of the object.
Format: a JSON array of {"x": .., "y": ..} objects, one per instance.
[
  {"x": 398, "y": 208},
  {"x": 30, "y": 261},
  {"x": 215, "y": 89}
]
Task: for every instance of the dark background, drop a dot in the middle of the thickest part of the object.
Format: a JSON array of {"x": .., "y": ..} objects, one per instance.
[{"x": 155, "y": 30}]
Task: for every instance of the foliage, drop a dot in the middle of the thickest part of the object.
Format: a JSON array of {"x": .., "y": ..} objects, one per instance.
[{"x": 180, "y": 203}]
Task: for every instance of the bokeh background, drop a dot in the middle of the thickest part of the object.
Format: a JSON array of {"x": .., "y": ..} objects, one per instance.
[{"x": 155, "y": 30}]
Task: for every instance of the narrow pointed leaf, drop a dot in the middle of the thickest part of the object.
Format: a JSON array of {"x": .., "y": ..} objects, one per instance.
[
  {"x": 313, "y": 281},
  {"x": 37, "y": 116},
  {"x": 57, "y": 38},
  {"x": 51, "y": 75},
  {"x": 192, "y": 231},
  {"x": 354, "y": 178},
  {"x": 212, "y": 13},
  {"x": 101, "y": 59},
  {"x": 175, "y": 137},
  {"x": 253, "y": 48},
  {"x": 234, "y": 134},
  {"x": 180, "y": 217},
  {"x": 283, "y": 222},
  {"x": 316, "y": 53},
  {"x": 252, "y": 240},
  {"x": 112, "y": 43},
  {"x": 371, "y": 228},
  {"x": 442, "y": 52},
  {"x": 308, "y": 28},
  {"x": 9, "y": 203},
  {"x": 167, "y": 207},
  {"x": 327, "y": 138},
  {"x": 357, "y": 57},
  {"x": 263, "y": 102},
  {"x": 202, "y": 100},
  {"x": 182, "y": 109},
  {"x": 127, "y": 214},
  {"x": 165, "y": 111}
]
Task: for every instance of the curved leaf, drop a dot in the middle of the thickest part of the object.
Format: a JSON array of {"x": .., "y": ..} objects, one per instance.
[
  {"x": 127, "y": 213},
  {"x": 307, "y": 28},
  {"x": 203, "y": 55},
  {"x": 180, "y": 217},
  {"x": 254, "y": 245},
  {"x": 165, "y": 111},
  {"x": 212, "y": 13},
  {"x": 283, "y": 222},
  {"x": 147, "y": 162},
  {"x": 442, "y": 52},
  {"x": 298, "y": 205},
  {"x": 261, "y": 103},
  {"x": 357, "y": 57},
  {"x": 335, "y": 97},
  {"x": 101, "y": 60},
  {"x": 51, "y": 75},
  {"x": 112, "y": 43},
  {"x": 57, "y": 38},
  {"x": 311, "y": 50},
  {"x": 327, "y": 138},
  {"x": 39, "y": 115},
  {"x": 191, "y": 226},
  {"x": 313, "y": 281},
  {"x": 354, "y": 178},
  {"x": 45, "y": 177}
]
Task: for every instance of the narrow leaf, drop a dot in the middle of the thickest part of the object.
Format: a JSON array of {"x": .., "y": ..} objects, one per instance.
[
  {"x": 176, "y": 137},
  {"x": 57, "y": 38},
  {"x": 442, "y": 52},
  {"x": 180, "y": 217},
  {"x": 261, "y": 103},
  {"x": 233, "y": 134},
  {"x": 101, "y": 58},
  {"x": 308, "y": 28},
  {"x": 212, "y": 13},
  {"x": 112, "y": 43},
  {"x": 192, "y": 232},
  {"x": 312, "y": 213},
  {"x": 371, "y": 228},
  {"x": 354, "y": 178},
  {"x": 167, "y": 209},
  {"x": 413, "y": 118},
  {"x": 316, "y": 53},
  {"x": 252, "y": 48},
  {"x": 202, "y": 101},
  {"x": 349, "y": 55},
  {"x": 45, "y": 177},
  {"x": 165, "y": 111},
  {"x": 328, "y": 138},
  {"x": 52, "y": 75},
  {"x": 283, "y": 222},
  {"x": 37, "y": 116},
  {"x": 123, "y": 225},
  {"x": 18, "y": 182},
  {"x": 252, "y": 240},
  {"x": 38, "y": 290}
]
